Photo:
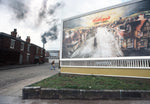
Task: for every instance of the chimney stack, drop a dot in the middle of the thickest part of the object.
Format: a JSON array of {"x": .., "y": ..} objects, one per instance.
[
  {"x": 28, "y": 39},
  {"x": 14, "y": 33},
  {"x": 19, "y": 37},
  {"x": 43, "y": 45}
]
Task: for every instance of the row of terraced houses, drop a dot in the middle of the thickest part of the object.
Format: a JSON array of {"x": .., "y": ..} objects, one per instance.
[{"x": 14, "y": 50}]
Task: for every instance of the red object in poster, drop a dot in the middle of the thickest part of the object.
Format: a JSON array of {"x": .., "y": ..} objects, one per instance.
[{"x": 99, "y": 19}]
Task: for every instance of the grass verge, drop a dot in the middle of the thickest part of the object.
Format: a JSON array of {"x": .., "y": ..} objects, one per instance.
[{"x": 93, "y": 82}]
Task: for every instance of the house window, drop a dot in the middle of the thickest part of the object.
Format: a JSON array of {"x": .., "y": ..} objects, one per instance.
[
  {"x": 22, "y": 46},
  {"x": 41, "y": 51},
  {"x": 12, "y": 44},
  {"x": 37, "y": 50},
  {"x": 28, "y": 48},
  {"x": 28, "y": 56}
]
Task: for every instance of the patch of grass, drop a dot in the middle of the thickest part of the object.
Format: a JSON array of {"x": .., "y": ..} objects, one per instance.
[{"x": 93, "y": 82}]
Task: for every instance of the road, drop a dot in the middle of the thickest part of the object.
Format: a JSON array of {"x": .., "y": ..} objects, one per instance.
[{"x": 13, "y": 80}]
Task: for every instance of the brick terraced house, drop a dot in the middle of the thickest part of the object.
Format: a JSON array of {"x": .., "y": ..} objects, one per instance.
[{"x": 14, "y": 50}]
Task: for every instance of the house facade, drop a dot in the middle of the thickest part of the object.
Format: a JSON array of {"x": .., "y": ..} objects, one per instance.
[{"x": 14, "y": 50}]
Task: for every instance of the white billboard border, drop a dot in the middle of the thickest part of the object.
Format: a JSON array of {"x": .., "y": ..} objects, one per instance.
[{"x": 107, "y": 58}]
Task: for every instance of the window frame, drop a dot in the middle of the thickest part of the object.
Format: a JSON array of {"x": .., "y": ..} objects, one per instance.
[
  {"x": 22, "y": 46},
  {"x": 28, "y": 47},
  {"x": 12, "y": 43}
]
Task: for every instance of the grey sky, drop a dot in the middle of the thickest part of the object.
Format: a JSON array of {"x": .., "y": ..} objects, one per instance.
[{"x": 30, "y": 24}]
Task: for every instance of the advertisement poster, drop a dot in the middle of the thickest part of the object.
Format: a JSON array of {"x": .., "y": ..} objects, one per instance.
[{"x": 118, "y": 32}]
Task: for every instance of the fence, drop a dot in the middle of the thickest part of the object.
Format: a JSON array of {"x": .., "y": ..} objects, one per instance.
[{"x": 108, "y": 63}]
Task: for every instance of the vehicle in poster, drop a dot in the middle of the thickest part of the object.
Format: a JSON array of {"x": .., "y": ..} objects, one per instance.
[{"x": 122, "y": 31}]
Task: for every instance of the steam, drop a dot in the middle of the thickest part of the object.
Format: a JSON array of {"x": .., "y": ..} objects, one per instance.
[{"x": 19, "y": 7}]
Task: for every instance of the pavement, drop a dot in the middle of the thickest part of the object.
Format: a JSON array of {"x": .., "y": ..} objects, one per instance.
[
  {"x": 16, "y": 66},
  {"x": 18, "y": 100},
  {"x": 12, "y": 81}
]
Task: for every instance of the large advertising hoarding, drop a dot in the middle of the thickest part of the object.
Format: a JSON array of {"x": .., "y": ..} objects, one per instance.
[{"x": 119, "y": 32}]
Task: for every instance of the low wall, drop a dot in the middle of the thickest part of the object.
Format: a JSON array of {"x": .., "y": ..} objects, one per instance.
[
  {"x": 120, "y": 72},
  {"x": 48, "y": 93}
]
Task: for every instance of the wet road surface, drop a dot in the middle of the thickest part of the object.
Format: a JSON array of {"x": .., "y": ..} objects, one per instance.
[{"x": 12, "y": 81}]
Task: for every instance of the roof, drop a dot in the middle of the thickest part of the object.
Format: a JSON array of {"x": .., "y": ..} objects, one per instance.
[
  {"x": 7, "y": 35},
  {"x": 15, "y": 38}
]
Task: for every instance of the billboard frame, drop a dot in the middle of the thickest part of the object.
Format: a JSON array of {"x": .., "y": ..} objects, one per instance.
[{"x": 89, "y": 13}]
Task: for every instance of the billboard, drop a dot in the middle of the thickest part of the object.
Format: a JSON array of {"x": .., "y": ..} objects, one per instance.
[{"x": 123, "y": 31}]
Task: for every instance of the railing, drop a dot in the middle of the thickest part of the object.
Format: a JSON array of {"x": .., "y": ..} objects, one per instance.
[{"x": 108, "y": 63}]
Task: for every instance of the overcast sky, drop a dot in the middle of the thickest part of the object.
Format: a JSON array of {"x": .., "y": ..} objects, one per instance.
[{"x": 36, "y": 18}]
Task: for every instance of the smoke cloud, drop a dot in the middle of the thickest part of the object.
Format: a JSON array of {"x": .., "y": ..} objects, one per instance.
[
  {"x": 19, "y": 7},
  {"x": 42, "y": 12},
  {"x": 37, "y": 18},
  {"x": 54, "y": 7},
  {"x": 52, "y": 33},
  {"x": 44, "y": 39},
  {"x": 44, "y": 16}
]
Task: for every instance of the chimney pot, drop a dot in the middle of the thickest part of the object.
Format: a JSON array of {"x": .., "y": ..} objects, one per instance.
[
  {"x": 15, "y": 30},
  {"x": 14, "y": 33},
  {"x": 28, "y": 39}
]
